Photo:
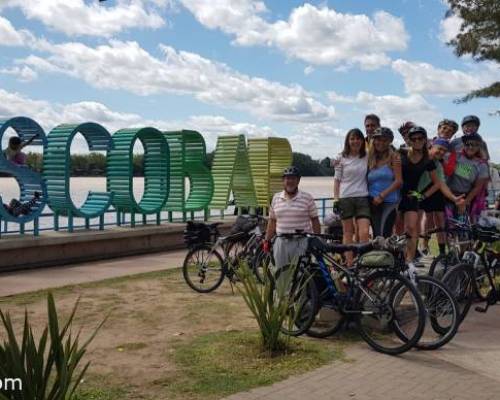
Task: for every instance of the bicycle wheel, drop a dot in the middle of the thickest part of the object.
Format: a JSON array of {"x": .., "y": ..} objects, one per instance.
[
  {"x": 203, "y": 269},
  {"x": 483, "y": 285},
  {"x": 293, "y": 288},
  {"x": 260, "y": 263},
  {"x": 329, "y": 319},
  {"x": 441, "y": 264},
  {"x": 442, "y": 315},
  {"x": 384, "y": 299},
  {"x": 460, "y": 280}
]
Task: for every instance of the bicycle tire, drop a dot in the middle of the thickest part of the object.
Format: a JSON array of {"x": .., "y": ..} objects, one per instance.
[
  {"x": 460, "y": 281},
  {"x": 441, "y": 311},
  {"x": 441, "y": 264},
  {"x": 375, "y": 317},
  {"x": 260, "y": 262},
  {"x": 194, "y": 256},
  {"x": 299, "y": 320}
]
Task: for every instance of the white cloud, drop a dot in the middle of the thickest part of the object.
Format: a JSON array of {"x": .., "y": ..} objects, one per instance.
[
  {"x": 338, "y": 98},
  {"x": 317, "y": 35},
  {"x": 424, "y": 78},
  {"x": 449, "y": 28},
  {"x": 308, "y": 70},
  {"x": 49, "y": 114},
  {"x": 9, "y": 36},
  {"x": 24, "y": 74},
  {"x": 394, "y": 110},
  {"x": 80, "y": 18},
  {"x": 127, "y": 66}
]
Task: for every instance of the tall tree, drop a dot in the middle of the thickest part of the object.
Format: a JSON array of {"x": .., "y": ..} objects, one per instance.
[{"x": 479, "y": 37}]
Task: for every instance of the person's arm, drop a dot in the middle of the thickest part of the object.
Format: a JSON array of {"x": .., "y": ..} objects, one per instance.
[
  {"x": 436, "y": 184},
  {"x": 271, "y": 229},
  {"x": 398, "y": 177},
  {"x": 478, "y": 186},
  {"x": 441, "y": 185},
  {"x": 337, "y": 178},
  {"x": 336, "y": 189},
  {"x": 316, "y": 226},
  {"x": 27, "y": 143}
]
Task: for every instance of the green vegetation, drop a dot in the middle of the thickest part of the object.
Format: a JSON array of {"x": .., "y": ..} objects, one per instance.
[
  {"x": 479, "y": 37},
  {"x": 219, "y": 364},
  {"x": 50, "y": 369}
]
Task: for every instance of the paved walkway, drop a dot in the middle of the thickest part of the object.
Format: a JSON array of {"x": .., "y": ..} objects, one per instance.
[
  {"x": 51, "y": 277},
  {"x": 466, "y": 369}
]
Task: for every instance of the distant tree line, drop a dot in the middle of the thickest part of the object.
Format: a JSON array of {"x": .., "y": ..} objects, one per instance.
[{"x": 94, "y": 164}]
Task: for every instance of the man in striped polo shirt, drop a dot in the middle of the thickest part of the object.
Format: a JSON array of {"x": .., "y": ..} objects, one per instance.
[{"x": 291, "y": 210}]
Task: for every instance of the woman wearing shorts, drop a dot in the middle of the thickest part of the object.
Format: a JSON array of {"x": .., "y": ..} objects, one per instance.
[
  {"x": 350, "y": 189},
  {"x": 384, "y": 181}
]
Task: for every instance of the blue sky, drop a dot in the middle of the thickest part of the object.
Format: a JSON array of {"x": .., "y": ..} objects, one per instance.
[{"x": 308, "y": 71}]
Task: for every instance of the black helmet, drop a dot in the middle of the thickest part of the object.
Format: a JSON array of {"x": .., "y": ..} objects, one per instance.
[
  {"x": 417, "y": 130},
  {"x": 471, "y": 118},
  {"x": 448, "y": 122},
  {"x": 383, "y": 132},
  {"x": 291, "y": 171},
  {"x": 473, "y": 137}
]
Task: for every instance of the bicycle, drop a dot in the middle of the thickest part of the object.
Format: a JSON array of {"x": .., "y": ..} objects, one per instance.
[
  {"x": 212, "y": 257},
  {"x": 478, "y": 275},
  {"x": 367, "y": 299}
]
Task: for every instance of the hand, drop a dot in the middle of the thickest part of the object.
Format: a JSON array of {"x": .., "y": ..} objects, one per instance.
[
  {"x": 334, "y": 162},
  {"x": 266, "y": 246},
  {"x": 416, "y": 195},
  {"x": 377, "y": 200},
  {"x": 336, "y": 207},
  {"x": 459, "y": 201}
]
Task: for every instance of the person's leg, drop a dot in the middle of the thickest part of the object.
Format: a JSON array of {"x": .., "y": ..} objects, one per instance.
[
  {"x": 439, "y": 222},
  {"x": 388, "y": 219},
  {"x": 376, "y": 219},
  {"x": 348, "y": 230},
  {"x": 363, "y": 225},
  {"x": 428, "y": 225},
  {"x": 411, "y": 228},
  {"x": 399, "y": 225}
]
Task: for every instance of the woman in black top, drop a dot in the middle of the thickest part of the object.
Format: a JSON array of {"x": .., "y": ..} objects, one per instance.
[{"x": 414, "y": 164}]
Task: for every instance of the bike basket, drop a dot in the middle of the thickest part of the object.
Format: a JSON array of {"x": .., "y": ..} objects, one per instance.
[
  {"x": 377, "y": 259},
  {"x": 244, "y": 223},
  {"x": 196, "y": 233}
]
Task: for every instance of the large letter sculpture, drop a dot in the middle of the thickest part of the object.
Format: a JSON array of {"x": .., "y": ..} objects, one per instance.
[
  {"x": 231, "y": 171},
  {"x": 57, "y": 173},
  {"x": 121, "y": 171},
  {"x": 28, "y": 180},
  {"x": 268, "y": 158},
  {"x": 187, "y": 159}
]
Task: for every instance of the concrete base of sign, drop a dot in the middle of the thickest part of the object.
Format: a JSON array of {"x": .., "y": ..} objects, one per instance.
[{"x": 60, "y": 248}]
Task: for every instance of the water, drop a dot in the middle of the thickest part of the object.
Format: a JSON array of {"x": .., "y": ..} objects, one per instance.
[{"x": 319, "y": 187}]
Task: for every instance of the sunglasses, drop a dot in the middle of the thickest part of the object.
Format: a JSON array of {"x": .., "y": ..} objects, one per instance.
[
  {"x": 418, "y": 139},
  {"x": 471, "y": 144}
]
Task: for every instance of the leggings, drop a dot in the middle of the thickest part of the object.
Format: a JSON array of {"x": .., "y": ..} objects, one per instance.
[{"x": 383, "y": 218}]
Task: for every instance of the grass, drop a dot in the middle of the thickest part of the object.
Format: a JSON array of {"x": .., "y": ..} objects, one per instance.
[{"x": 220, "y": 364}]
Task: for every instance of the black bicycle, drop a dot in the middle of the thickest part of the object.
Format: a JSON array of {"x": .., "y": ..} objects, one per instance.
[{"x": 381, "y": 302}]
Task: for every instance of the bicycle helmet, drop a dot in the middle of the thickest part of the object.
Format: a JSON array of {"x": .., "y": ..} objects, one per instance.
[
  {"x": 384, "y": 133},
  {"x": 471, "y": 118},
  {"x": 417, "y": 130},
  {"x": 441, "y": 142},
  {"x": 473, "y": 137},
  {"x": 403, "y": 129},
  {"x": 448, "y": 122},
  {"x": 291, "y": 171}
]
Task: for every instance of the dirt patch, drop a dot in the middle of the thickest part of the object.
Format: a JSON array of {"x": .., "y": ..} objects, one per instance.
[{"x": 148, "y": 315}]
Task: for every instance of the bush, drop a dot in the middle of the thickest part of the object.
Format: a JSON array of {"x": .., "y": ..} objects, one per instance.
[
  {"x": 271, "y": 305},
  {"x": 47, "y": 369}
]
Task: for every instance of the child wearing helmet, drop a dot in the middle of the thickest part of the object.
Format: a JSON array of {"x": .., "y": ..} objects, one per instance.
[{"x": 470, "y": 125}]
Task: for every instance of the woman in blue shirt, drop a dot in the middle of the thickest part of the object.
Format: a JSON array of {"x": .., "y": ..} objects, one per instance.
[{"x": 384, "y": 180}]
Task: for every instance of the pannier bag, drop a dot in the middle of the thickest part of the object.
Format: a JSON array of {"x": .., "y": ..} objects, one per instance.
[
  {"x": 244, "y": 223},
  {"x": 196, "y": 233},
  {"x": 377, "y": 259}
]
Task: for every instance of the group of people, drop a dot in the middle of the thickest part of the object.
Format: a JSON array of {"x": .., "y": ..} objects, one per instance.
[
  {"x": 380, "y": 189},
  {"x": 409, "y": 190}
]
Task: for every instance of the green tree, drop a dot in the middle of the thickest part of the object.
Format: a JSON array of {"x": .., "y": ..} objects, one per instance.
[{"x": 479, "y": 37}]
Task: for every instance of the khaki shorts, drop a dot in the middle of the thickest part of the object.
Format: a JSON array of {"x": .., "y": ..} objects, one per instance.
[{"x": 354, "y": 207}]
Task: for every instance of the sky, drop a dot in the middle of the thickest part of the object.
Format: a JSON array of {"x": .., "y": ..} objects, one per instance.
[{"x": 307, "y": 71}]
